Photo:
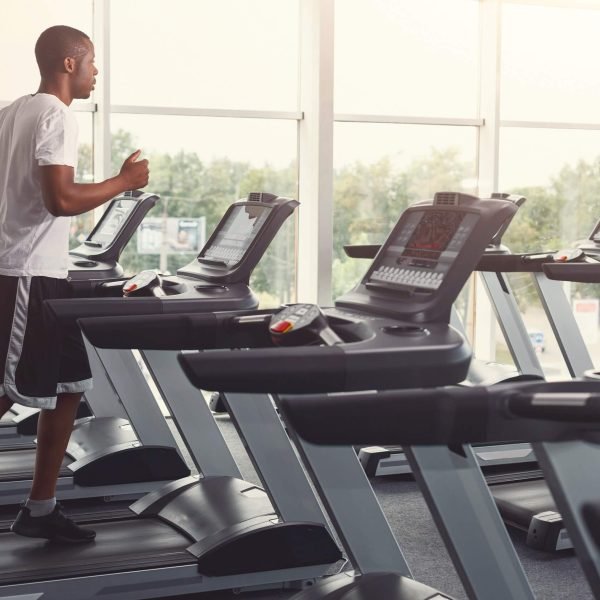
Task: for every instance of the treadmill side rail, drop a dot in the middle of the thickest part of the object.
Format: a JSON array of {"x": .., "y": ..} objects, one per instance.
[
  {"x": 129, "y": 462},
  {"x": 266, "y": 545},
  {"x": 569, "y": 468},
  {"x": 371, "y": 585}
]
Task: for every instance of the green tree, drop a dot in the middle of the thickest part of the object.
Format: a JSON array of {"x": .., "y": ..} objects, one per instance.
[{"x": 368, "y": 200}]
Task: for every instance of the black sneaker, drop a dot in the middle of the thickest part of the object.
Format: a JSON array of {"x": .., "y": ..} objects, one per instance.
[{"x": 56, "y": 527}]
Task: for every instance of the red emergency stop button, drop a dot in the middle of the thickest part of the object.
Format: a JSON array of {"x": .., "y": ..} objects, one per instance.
[{"x": 282, "y": 327}]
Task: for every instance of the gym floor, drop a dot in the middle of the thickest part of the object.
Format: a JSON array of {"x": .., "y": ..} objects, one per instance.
[{"x": 552, "y": 576}]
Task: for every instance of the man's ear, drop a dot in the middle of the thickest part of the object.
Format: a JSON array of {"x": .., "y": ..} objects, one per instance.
[{"x": 69, "y": 63}]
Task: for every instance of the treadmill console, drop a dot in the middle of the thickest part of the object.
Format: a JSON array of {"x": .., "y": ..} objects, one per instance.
[
  {"x": 232, "y": 240},
  {"x": 591, "y": 245},
  {"x": 425, "y": 261},
  {"x": 97, "y": 257},
  {"x": 240, "y": 239},
  {"x": 418, "y": 255},
  {"x": 113, "y": 219},
  {"x": 216, "y": 280}
]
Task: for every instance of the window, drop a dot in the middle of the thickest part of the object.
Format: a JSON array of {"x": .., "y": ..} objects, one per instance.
[
  {"x": 201, "y": 54},
  {"x": 20, "y": 27},
  {"x": 549, "y": 63},
  {"x": 558, "y": 171},
  {"x": 199, "y": 166},
  {"x": 551, "y": 154},
  {"x": 379, "y": 170},
  {"x": 225, "y": 54},
  {"x": 414, "y": 57},
  {"x": 393, "y": 59}
]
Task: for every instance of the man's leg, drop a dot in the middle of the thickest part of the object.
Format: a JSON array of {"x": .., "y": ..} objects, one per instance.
[
  {"x": 41, "y": 517},
  {"x": 53, "y": 433},
  {"x": 5, "y": 405},
  {"x": 46, "y": 365}
]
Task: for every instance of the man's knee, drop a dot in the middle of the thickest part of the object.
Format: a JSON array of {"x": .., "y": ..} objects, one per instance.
[{"x": 66, "y": 403}]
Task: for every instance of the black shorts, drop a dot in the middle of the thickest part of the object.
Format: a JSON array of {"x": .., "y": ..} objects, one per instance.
[{"x": 38, "y": 358}]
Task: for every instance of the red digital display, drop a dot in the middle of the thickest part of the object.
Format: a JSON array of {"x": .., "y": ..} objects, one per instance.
[{"x": 432, "y": 234}]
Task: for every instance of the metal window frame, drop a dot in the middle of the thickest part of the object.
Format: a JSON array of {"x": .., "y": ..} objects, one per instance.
[{"x": 315, "y": 118}]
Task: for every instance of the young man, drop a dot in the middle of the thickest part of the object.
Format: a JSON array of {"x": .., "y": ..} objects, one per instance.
[{"x": 40, "y": 365}]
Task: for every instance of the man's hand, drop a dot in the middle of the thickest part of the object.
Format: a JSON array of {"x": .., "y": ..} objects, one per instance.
[
  {"x": 65, "y": 198},
  {"x": 135, "y": 173}
]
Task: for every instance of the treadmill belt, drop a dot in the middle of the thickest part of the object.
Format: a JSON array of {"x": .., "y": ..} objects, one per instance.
[
  {"x": 518, "y": 502},
  {"x": 18, "y": 464},
  {"x": 81, "y": 511},
  {"x": 119, "y": 546},
  {"x": 511, "y": 473}
]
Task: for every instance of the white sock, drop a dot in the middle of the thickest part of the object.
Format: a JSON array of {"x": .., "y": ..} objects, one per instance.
[{"x": 40, "y": 508}]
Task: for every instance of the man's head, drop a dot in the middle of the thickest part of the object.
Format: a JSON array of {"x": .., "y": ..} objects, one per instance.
[{"x": 65, "y": 52}]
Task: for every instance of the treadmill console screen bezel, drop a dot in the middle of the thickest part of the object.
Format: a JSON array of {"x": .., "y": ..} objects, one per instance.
[
  {"x": 210, "y": 267},
  {"x": 595, "y": 235},
  {"x": 230, "y": 223},
  {"x": 106, "y": 228},
  {"x": 409, "y": 260}
]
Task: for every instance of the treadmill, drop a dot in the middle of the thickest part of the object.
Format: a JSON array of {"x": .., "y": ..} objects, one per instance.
[
  {"x": 197, "y": 534},
  {"x": 113, "y": 453},
  {"x": 518, "y": 488},
  {"x": 522, "y": 496},
  {"x": 529, "y": 505},
  {"x": 509, "y": 461},
  {"x": 117, "y": 458},
  {"x": 562, "y": 420},
  {"x": 391, "y": 331},
  {"x": 95, "y": 259}
]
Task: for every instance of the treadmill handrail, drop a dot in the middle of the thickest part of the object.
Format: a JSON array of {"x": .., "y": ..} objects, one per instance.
[
  {"x": 242, "y": 357},
  {"x": 491, "y": 260},
  {"x": 514, "y": 263},
  {"x": 266, "y": 370},
  {"x": 451, "y": 416},
  {"x": 564, "y": 407},
  {"x": 583, "y": 272},
  {"x": 179, "y": 331}
]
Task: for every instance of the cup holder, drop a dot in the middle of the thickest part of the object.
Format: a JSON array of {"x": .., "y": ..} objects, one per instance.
[
  {"x": 405, "y": 330},
  {"x": 86, "y": 264}
]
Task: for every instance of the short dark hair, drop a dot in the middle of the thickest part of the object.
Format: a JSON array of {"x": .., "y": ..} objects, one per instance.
[{"x": 57, "y": 43}]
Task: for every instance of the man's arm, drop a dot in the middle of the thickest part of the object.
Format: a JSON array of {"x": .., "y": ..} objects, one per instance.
[{"x": 65, "y": 198}]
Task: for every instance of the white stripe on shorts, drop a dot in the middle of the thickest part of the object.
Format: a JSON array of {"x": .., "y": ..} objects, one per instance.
[
  {"x": 75, "y": 387},
  {"x": 17, "y": 333},
  {"x": 15, "y": 345}
]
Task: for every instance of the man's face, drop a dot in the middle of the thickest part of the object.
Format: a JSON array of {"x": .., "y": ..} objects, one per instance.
[{"x": 84, "y": 75}]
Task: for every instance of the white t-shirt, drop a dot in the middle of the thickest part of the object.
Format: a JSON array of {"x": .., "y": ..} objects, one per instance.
[{"x": 35, "y": 131}]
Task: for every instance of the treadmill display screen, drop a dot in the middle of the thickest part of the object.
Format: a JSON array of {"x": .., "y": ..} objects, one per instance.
[
  {"x": 431, "y": 236},
  {"x": 112, "y": 221},
  {"x": 234, "y": 236},
  {"x": 421, "y": 249}
]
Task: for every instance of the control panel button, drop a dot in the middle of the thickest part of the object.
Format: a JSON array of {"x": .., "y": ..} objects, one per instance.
[{"x": 282, "y": 327}]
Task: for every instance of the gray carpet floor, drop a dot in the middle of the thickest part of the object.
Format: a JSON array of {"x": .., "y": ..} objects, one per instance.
[{"x": 552, "y": 576}]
